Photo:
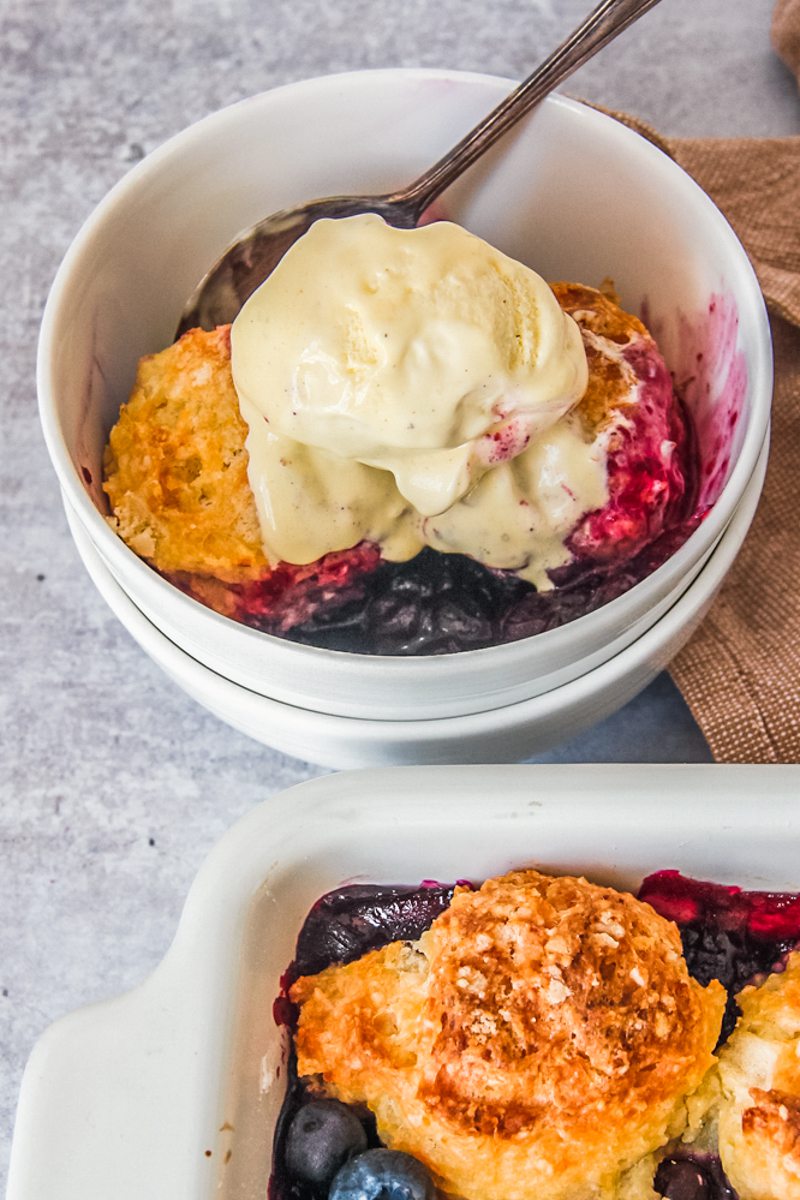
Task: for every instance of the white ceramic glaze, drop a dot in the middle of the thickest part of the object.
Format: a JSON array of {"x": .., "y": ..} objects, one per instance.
[
  {"x": 505, "y": 734},
  {"x": 571, "y": 191},
  {"x": 126, "y": 1098}
]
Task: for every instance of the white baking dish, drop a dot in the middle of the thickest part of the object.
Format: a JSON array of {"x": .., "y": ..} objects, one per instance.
[{"x": 170, "y": 1092}]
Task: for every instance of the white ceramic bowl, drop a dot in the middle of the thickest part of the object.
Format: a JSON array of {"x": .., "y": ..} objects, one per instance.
[
  {"x": 126, "y": 1098},
  {"x": 505, "y": 734},
  {"x": 571, "y": 191}
]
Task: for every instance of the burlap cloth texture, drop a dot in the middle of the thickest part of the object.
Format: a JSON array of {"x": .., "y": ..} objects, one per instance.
[{"x": 740, "y": 673}]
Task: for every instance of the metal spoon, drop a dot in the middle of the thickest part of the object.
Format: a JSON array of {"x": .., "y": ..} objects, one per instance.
[{"x": 251, "y": 257}]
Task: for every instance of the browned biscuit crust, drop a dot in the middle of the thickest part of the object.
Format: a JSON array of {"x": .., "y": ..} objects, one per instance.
[
  {"x": 176, "y": 463},
  {"x": 774, "y": 1117},
  {"x": 759, "y": 1069},
  {"x": 605, "y": 327},
  {"x": 537, "y": 1042}
]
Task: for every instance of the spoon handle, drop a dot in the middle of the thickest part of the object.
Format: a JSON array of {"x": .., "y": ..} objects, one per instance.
[{"x": 596, "y": 31}]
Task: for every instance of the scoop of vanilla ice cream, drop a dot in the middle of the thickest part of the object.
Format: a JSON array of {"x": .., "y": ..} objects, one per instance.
[
  {"x": 407, "y": 350},
  {"x": 384, "y": 372},
  {"x": 519, "y": 516}
]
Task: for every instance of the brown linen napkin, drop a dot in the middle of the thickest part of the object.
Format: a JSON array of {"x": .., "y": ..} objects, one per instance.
[
  {"x": 786, "y": 33},
  {"x": 740, "y": 673}
]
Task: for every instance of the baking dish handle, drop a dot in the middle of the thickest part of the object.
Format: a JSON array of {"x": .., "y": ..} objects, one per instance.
[{"x": 97, "y": 1114}]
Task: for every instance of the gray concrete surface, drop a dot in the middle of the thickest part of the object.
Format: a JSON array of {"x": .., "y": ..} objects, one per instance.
[{"x": 114, "y": 784}]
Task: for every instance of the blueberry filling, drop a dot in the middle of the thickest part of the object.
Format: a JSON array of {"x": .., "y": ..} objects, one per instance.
[
  {"x": 440, "y": 603},
  {"x": 446, "y": 603},
  {"x": 347, "y": 923},
  {"x": 728, "y": 934},
  {"x": 692, "y": 1177}
]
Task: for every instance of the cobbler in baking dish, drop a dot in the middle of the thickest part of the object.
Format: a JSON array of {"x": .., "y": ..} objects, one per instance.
[{"x": 543, "y": 1038}]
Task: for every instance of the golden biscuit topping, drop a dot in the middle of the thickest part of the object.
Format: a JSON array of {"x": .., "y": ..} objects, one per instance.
[
  {"x": 759, "y": 1075},
  {"x": 552, "y": 994},
  {"x": 535, "y": 1044},
  {"x": 176, "y": 464},
  {"x": 605, "y": 328}
]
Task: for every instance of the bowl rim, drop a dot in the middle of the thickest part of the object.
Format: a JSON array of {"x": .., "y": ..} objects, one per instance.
[{"x": 406, "y": 667}]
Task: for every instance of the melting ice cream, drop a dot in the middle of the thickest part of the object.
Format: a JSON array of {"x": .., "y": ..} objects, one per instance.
[{"x": 414, "y": 387}]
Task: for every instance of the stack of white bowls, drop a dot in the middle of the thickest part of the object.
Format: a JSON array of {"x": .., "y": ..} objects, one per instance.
[{"x": 571, "y": 192}]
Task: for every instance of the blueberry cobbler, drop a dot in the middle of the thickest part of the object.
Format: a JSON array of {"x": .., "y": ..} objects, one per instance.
[
  {"x": 543, "y": 1038},
  {"x": 406, "y": 443}
]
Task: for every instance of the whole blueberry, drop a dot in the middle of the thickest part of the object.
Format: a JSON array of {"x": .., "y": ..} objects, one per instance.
[
  {"x": 382, "y": 1175},
  {"x": 682, "y": 1179},
  {"x": 322, "y": 1135}
]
